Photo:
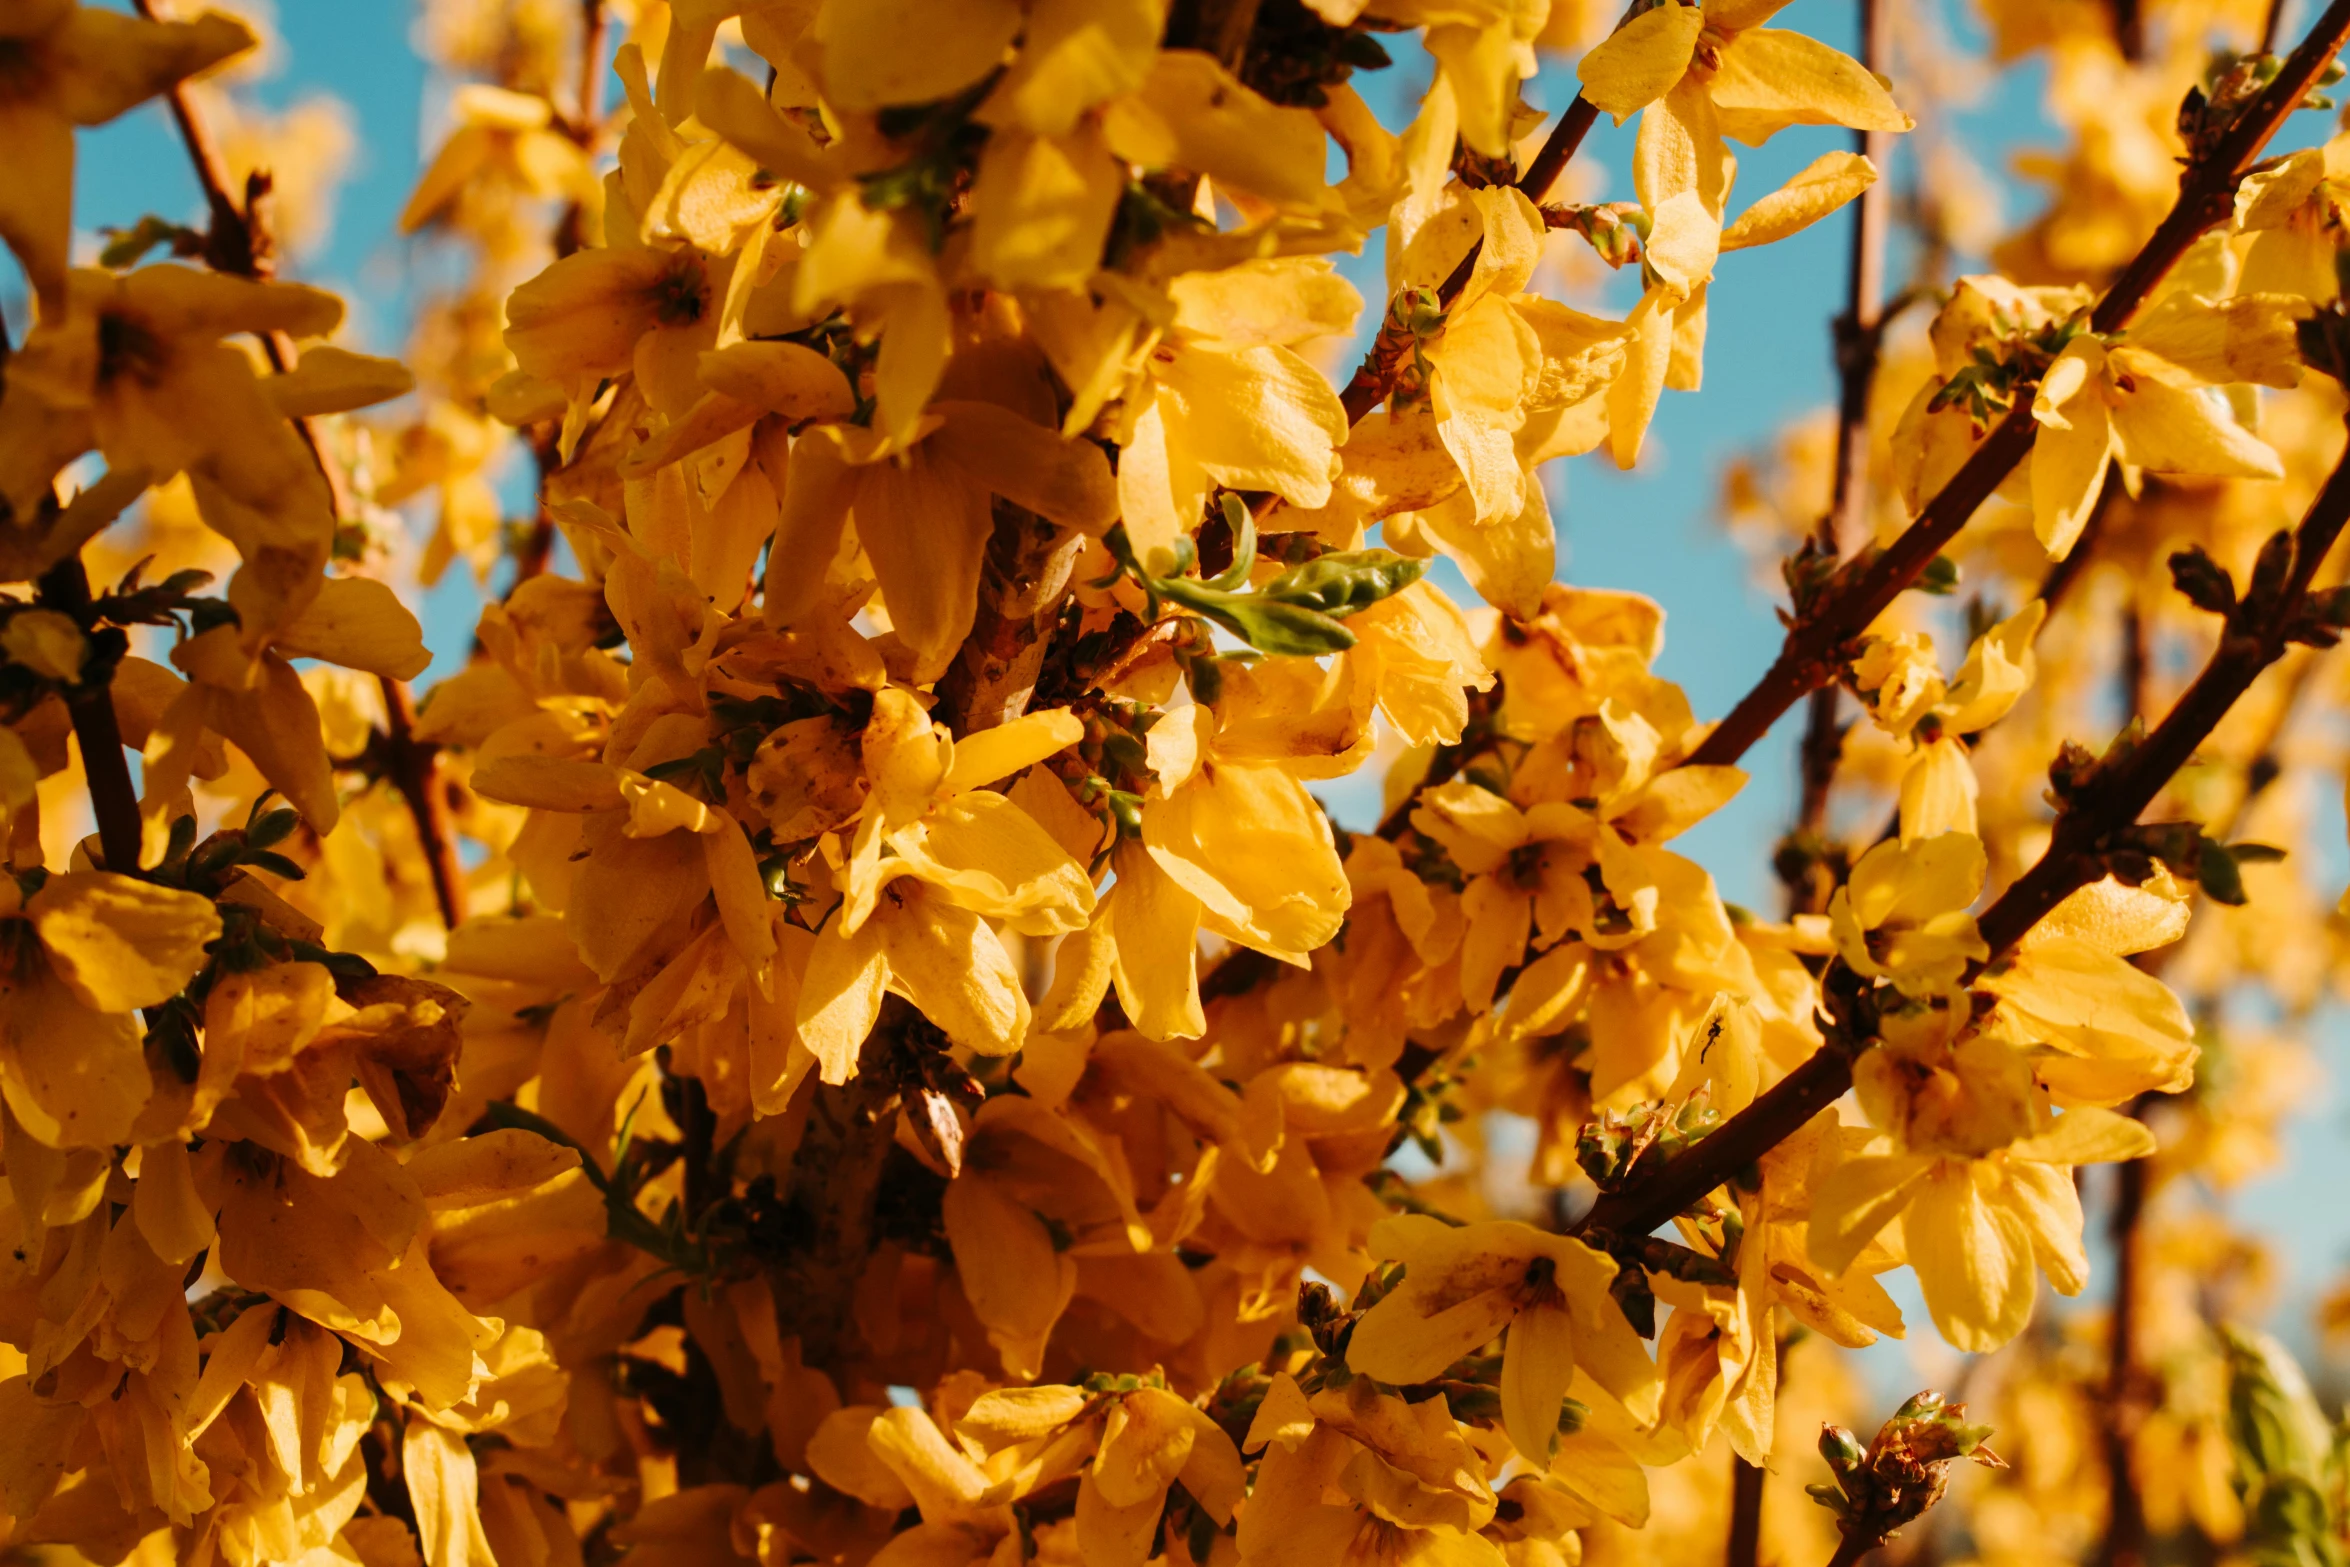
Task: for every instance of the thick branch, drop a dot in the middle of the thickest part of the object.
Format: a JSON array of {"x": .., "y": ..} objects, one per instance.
[
  {"x": 2104, "y": 805},
  {"x": 1818, "y": 644}
]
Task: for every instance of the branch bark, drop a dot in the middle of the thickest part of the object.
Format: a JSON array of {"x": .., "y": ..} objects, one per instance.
[
  {"x": 1816, "y": 646},
  {"x": 238, "y": 242}
]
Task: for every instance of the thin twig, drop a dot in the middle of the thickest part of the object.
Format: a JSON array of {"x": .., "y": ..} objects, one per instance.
[
  {"x": 2271, "y": 24},
  {"x": 2125, "y": 1396},
  {"x": 1375, "y": 377},
  {"x": 238, "y": 243},
  {"x": 1817, "y": 646},
  {"x": 1859, "y": 340}
]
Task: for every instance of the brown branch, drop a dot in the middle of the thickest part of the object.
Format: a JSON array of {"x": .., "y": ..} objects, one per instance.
[
  {"x": 1850, "y": 1548},
  {"x": 589, "y": 95},
  {"x": 2129, "y": 30},
  {"x": 413, "y": 767},
  {"x": 90, "y": 703},
  {"x": 2270, "y": 23},
  {"x": 2126, "y": 1395},
  {"x": 1859, "y": 337},
  {"x": 1746, "y": 1500},
  {"x": 1375, "y": 377},
  {"x": 1023, "y": 582},
  {"x": 238, "y": 242},
  {"x": 2105, "y": 804},
  {"x": 1820, "y": 641}
]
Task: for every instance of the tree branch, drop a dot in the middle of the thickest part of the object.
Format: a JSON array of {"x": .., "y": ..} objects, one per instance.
[
  {"x": 1816, "y": 647},
  {"x": 2107, "y": 803},
  {"x": 1859, "y": 338},
  {"x": 238, "y": 242}
]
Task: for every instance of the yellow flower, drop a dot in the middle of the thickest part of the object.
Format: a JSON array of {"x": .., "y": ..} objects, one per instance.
[
  {"x": 1695, "y": 75},
  {"x": 2114, "y": 1030},
  {"x": 922, "y": 514},
  {"x": 1365, "y": 1478},
  {"x": 1150, "y": 1441},
  {"x": 1978, "y": 1230},
  {"x": 1902, "y": 687},
  {"x": 2152, "y": 400},
  {"x": 503, "y": 138},
  {"x": 936, "y": 854},
  {"x": 63, "y": 65},
  {"x": 2293, "y": 214},
  {"x": 84, "y": 953},
  {"x": 1903, "y": 916},
  {"x": 135, "y": 367},
  {"x": 1225, "y": 399},
  {"x": 1465, "y": 1286}
]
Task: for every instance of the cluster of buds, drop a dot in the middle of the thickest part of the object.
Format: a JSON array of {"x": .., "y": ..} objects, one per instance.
[{"x": 1885, "y": 1487}]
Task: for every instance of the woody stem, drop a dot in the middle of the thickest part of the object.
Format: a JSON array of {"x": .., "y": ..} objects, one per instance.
[
  {"x": 1746, "y": 1499},
  {"x": 1817, "y": 645},
  {"x": 1375, "y": 377},
  {"x": 1859, "y": 336},
  {"x": 2106, "y": 804},
  {"x": 1850, "y": 1548},
  {"x": 90, "y": 703},
  {"x": 238, "y": 243}
]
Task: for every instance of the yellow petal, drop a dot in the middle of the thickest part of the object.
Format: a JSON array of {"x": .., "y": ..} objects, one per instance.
[
  {"x": 1771, "y": 78},
  {"x": 1859, "y": 1198},
  {"x": 733, "y": 108},
  {"x": 2170, "y": 429},
  {"x": 1027, "y": 464},
  {"x": 1018, "y": 1285},
  {"x": 871, "y": 57},
  {"x": 1192, "y": 113},
  {"x": 1938, "y": 792},
  {"x": 1973, "y": 1260},
  {"x": 1640, "y": 61},
  {"x": 1153, "y": 925},
  {"x": 1537, "y": 1368},
  {"x": 1042, "y": 207},
  {"x": 954, "y": 969},
  {"x": 332, "y": 380},
  {"x": 2088, "y": 1136},
  {"x": 1822, "y": 186},
  {"x": 840, "y": 998},
  {"x": 989, "y": 856},
  {"x": 359, "y": 623},
  {"x": 119, "y": 943}
]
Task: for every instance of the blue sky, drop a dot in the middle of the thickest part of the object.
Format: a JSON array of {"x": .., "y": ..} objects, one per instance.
[{"x": 1654, "y": 530}]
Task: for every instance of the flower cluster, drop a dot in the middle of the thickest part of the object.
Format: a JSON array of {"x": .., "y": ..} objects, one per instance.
[{"x": 844, "y": 1031}]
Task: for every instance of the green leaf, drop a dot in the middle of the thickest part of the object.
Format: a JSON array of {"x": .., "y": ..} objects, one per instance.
[
  {"x": 1345, "y": 583},
  {"x": 1243, "y": 524},
  {"x": 2216, "y": 870},
  {"x": 1289, "y": 629}
]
